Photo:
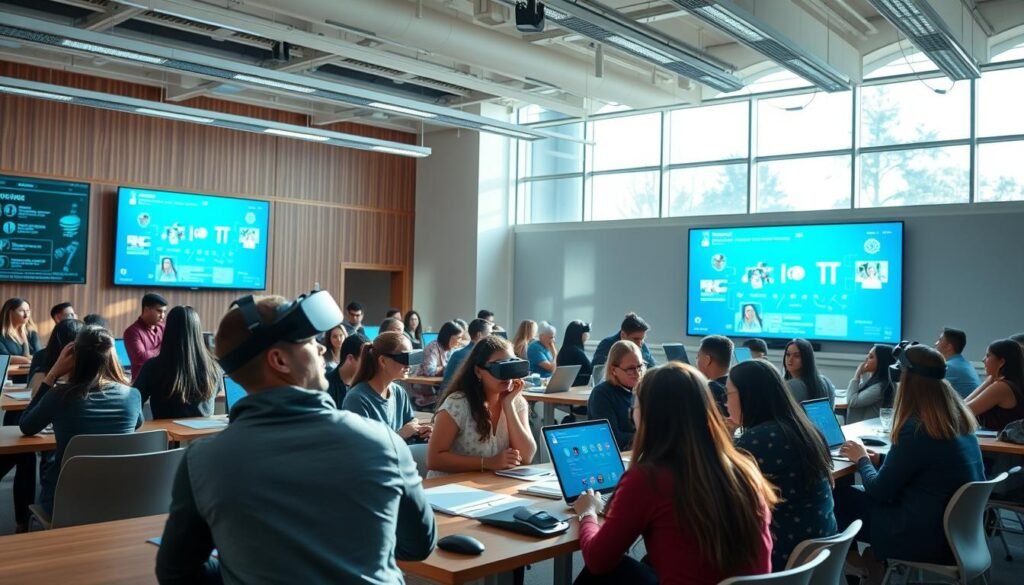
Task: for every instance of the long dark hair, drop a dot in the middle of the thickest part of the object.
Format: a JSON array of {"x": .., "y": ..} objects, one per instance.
[
  {"x": 333, "y": 352},
  {"x": 385, "y": 343},
  {"x": 808, "y": 369},
  {"x": 574, "y": 334},
  {"x": 765, "y": 398},
  {"x": 471, "y": 386},
  {"x": 449, "y": 330},
  {"x": 1013, "y": 368},
  {"x": 64, "y": 333},
  {"x": 96, "y": 363},
  {"x": 185, "y": 368},
  {"x": 416, "y": 333},
  {"x": 883, "y": 359},
  {"x": 719, "y": 494}
]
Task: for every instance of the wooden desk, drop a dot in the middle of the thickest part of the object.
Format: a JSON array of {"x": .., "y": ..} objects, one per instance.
[
  {"x": 12, "y": 441},
  {"x": 8, "y": 404},
  {"x": 576, "y": 396},
  {"x": 17, "y": 370},
  {"x": 425, "y": 380}
]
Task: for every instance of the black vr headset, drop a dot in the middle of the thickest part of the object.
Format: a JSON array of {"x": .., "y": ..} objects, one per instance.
[
  {"x": 510, "y": 369},
  {"x": 295, "y": 322},
  {"x": 408, "y": 358},
  {"x": 899, "y": 353}
]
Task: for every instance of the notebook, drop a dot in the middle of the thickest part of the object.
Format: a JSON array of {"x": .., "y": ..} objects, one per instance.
[
  {"x": 820, "y": 413},
  {"x": 584, "y": 456},
  {"x": 561, "y": 380},
  {"x": 459, "y": 500},
  {"x": 675, "y": 352}
]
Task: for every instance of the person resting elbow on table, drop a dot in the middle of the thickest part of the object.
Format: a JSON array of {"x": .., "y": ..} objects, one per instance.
[{"x": 999, "y": 400}]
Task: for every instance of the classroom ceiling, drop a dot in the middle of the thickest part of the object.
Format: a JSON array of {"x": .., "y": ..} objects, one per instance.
[{"x": 461, "y": 53}]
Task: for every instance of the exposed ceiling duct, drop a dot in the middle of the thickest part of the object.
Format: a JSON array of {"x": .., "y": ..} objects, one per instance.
[{"x": 924, "y": 27}]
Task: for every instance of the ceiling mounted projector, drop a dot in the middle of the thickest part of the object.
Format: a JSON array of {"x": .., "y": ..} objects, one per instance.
[{"x": 530, "y": 16}]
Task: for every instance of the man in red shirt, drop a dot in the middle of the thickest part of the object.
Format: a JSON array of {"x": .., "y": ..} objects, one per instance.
[{"x": 142, "y": 338}]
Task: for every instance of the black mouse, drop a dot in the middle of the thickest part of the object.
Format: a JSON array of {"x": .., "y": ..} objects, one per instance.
[
  {"x": 461, "y": 544},
  {"x": 873, "y": 442}
]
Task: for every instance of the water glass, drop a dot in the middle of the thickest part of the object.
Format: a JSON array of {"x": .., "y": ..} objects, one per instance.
[{"x": 885, "y": 416}]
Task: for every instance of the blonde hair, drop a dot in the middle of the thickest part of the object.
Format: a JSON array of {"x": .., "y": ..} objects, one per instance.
[
  {"x": 524, "y": 335},
  {"x": 620, "y": 349},
  {"x": 7, "y": 324}
]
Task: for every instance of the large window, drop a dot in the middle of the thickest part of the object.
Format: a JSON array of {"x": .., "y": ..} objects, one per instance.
[{"x": 897, "y": 141}]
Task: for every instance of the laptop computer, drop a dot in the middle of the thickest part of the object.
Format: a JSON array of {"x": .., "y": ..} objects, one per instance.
[
  {"x": 675, "y": 352},
  {"x": 5, "y": 361},
  {"x": 501, "y": 334},
  {"x": 560, "y": 381},
  {"x": 233, "y": 392},
  {"x": 428, "y": 337},
  {"x": 371, "y": 331},
  {"x": 584, "y": 456},
  {"x": 122, "y": 354},
  {"x": 821, "y": 415},
  {"x": 742, "y": 354}
]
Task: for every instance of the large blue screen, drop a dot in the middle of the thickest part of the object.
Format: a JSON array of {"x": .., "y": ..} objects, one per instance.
[
  {"x": 190, "y": 241},
  {"x": 841, "y": 282}
]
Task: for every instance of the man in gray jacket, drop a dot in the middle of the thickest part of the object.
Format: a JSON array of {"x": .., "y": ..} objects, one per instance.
[{"x": 294, "y": 490}]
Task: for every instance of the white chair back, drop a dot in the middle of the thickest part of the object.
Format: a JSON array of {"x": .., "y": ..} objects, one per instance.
[
  {"x": 965, "y": 527},
  {"x": 117, "y": 444},
  {"x": 797, "y": 576},
  {"x": 831, "y": 571}
]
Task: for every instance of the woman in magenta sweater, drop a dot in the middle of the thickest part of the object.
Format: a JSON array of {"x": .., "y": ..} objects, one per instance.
[{"x": 702, "y": 506}]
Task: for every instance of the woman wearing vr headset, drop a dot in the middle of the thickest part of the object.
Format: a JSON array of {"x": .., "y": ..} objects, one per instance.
[
  {"x": 375, "y": 394},
  {"x": 96, "y": 399},
  {"x": 934, "y": 452},
  {"x": 870, "y": 388},
  {"x": 1000, "y": 398},
  {"x": 702, "y": 506},
  {"x": 482, "y": 421},
  {"x": 572, "y": 352}
]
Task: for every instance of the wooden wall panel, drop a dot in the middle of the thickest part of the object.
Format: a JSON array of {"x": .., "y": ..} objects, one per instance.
[{"x": 330, "y": 206}]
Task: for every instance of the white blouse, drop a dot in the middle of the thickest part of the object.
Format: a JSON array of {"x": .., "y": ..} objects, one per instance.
[{"x": 467, "y": 442}]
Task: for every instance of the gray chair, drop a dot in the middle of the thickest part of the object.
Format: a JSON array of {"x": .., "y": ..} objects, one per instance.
[
  {"x": 102, "y": 488},
  {"x": 419, "y": 455},
  {"x": 119, "y": 444},
  {"x": 964, "y": 524},
  {"x": 801, "y": 575},
  {"x": 831, "y": 571},
  {"x": 997, "y": 506}
]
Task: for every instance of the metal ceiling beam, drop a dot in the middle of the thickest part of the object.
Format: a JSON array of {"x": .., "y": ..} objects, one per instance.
[{"x": 115, "y": 15}]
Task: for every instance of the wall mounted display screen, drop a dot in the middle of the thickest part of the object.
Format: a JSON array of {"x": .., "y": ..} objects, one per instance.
[
  {"x": 839, "y": 282},
  {"x": 44, "y": 230},
  {"x": 190, "y": 241}
]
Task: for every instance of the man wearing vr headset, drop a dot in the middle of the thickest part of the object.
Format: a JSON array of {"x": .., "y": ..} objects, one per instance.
[{"x": 294, "y": 490}]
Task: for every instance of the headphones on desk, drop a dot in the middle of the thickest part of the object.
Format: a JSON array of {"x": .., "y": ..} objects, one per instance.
[{"x": 899, "y": 353}]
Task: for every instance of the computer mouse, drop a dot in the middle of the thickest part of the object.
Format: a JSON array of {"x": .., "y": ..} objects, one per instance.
[
  {"x": 461, "y": 544},
  {"x": 873, "y": 442}
]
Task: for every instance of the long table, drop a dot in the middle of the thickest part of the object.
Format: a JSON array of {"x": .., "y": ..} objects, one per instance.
[
  {"x": 12, "y": 441},
  {"x": 988, "y": 444}
]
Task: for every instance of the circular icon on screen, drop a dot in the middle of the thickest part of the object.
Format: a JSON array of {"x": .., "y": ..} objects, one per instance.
[
  {"x": 10, "y": 227},
  {"x": 143, "y": 220},
  {"x": 10, "y": 210},
  {"x": 872, "y": 246},
  {"x": 3, "y": 261},
  {"x": 124, "y": 272},
  {"x": 698, "y": 320},
  {"x": 200, "y": 233},
  {"x": 250, "y": 218},
  {"x": 4, "y": 244}
]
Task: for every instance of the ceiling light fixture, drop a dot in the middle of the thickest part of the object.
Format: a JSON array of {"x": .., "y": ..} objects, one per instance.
[
  {"x": 299, "y": 135},
  {"x": 174, "y": 116},
  {"x": 928, "y": 31},
  {"x": 401, "y": 110},
  {"x": 111, "y": 52}
]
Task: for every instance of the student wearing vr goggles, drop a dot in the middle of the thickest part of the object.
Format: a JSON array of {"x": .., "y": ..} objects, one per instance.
[
  {"x": 377, "y": 396},
  {"x": 934, "y": 452},
  {"x": 482, "y": 420},
  {"x": 291, "y": 470}
]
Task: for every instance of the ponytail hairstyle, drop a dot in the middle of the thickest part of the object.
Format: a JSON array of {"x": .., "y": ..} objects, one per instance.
[
  {"x": 96, "y": 363},
  {"x": 387, "y": 343}
]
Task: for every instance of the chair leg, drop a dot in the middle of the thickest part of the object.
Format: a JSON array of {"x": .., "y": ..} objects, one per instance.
[{"x": 1002, "y": 535}]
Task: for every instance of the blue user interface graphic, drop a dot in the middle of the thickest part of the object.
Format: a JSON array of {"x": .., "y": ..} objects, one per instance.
[{"x": 586, "y": 457}]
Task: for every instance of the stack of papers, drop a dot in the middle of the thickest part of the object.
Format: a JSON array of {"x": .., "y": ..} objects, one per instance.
[
  {"x": 459, "y": 500},
  {"x": 544, "y": 489},
  {"x": 201, "y": 424}
]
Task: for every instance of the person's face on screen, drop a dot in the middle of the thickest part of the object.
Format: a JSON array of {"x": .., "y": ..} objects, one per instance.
[
  {"x": 68, "y": 313},
  {"x": 166, "y": 266},
  {"x": 872, "y": 271},
  {"x": 493, "y": 386},
  {"x": 355, "y": 317},
  {"x": 732, "y": 402},
  {"x": 748, "y": 313},
  {"x": 153, "y": 316},
  {"x": 628, "y": 371},
  {"x": 870, "y": 363},
  {"x": 792, "y": 360},
  {"x": 637, "y": 337}
]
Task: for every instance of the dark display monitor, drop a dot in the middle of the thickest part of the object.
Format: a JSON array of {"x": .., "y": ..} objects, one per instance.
[
  {"x": 44, "y": 230},
  {"x": 189, "y": 240}
]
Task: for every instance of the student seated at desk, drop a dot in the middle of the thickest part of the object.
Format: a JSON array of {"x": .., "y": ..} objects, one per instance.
[
  {"x": 478, "y": 329},
  {"x": 573, "y": 354},
  {"x": 435, "y": 360},
  {"x": 934, "y": 452},
  {"x": 18, "y": 336},
  {"x": 340, "y": 378},
  {"x": 541, "y": 352},
  {"x": 63, "y": 333},
  {"x": 613, "y": 399},
  {"x": 182, "y": 380},
  {"x": 999, "y": 400},
  {"x": 633, "y": 328},
  {"x": 414, "y": 329},
  {"x": 96, "y": 399},
  {"x": 525, "y": 334},
  {"x": 790, "y": 451},
  {"x": 702, "y": 506},
  {"x": 870, "y": 389},
  {"x": 375, "y": 394},
  {"x": 482, "y": 422},
  {"x": 802, "y": 377},
  {"x": 293, "y": 490}
]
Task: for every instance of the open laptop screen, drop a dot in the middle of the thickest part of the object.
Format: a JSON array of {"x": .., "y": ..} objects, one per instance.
[
  {"x": 585, "y": 456},
  {"x": 5, "y": 361},
  {"x": 232, "y": 392},
  {"x": 122, "y": 354},
  {"x": 820, "y": 413}
]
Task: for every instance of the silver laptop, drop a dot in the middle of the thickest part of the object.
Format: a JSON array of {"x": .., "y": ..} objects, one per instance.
[{"x": 560, "y": 381}]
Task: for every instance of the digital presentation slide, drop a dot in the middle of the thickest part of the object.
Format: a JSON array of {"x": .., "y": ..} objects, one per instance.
[
  {"x": 838, "y": 282},
  {"x": 190, "y": 241},
  {"x": 44, "y": 230}
]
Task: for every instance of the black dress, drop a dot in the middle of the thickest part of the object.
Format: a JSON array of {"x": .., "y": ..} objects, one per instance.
[{"x": 573, "y": 355}]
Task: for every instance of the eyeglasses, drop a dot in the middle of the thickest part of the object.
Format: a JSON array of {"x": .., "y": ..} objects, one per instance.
[{"x": 634, "y": 370}]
